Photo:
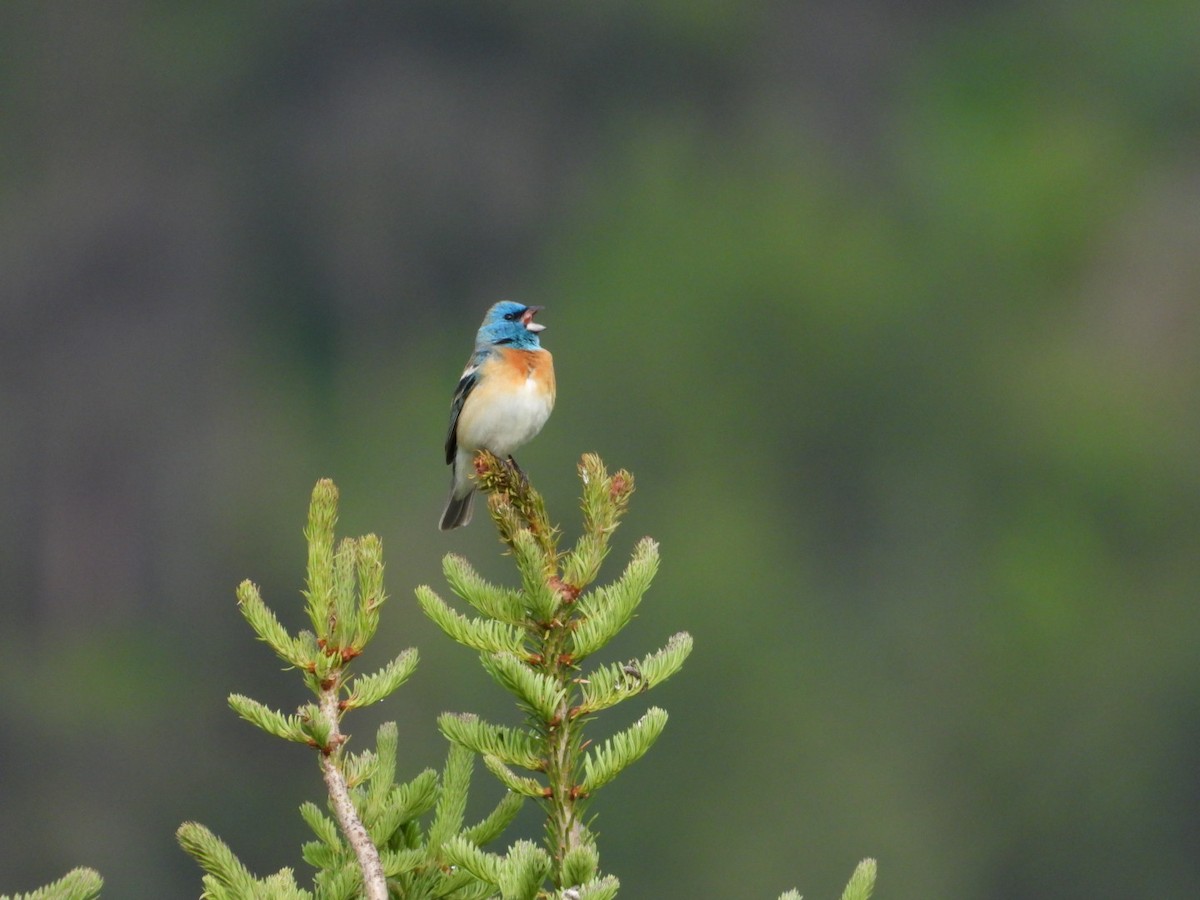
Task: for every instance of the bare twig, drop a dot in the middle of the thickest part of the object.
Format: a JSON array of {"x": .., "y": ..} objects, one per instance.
[{"x": 374, "y": 881}]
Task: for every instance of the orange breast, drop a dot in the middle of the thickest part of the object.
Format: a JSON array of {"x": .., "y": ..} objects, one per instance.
[{"x": 538, "y": 365}]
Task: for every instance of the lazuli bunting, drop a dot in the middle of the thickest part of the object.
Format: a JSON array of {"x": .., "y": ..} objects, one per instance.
[{"x": 502, "y": 400}]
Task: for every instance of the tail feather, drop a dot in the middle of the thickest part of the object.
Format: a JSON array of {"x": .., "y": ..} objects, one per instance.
[{"x": 458, "y": 511}]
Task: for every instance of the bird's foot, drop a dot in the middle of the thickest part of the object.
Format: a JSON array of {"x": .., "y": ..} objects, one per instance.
[{"x": 519, "y": 472}]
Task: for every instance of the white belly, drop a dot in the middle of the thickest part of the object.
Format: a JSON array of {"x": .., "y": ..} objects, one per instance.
[{"x": 506, "y": 421}]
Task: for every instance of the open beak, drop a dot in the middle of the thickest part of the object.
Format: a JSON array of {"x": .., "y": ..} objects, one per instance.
[{"x": 527, "y": 319}]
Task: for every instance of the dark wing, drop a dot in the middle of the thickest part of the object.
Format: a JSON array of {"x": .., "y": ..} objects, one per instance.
[{"x": 466, "y": 384}]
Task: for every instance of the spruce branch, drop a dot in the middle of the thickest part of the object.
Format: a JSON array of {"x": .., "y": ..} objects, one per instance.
[
  {"x": 214, "y": 855},
  {"x": 290, "y": 728},
  {"x": 526, "y": 787},
  {"x": 466, "y": 854},
  {"x": 533, "y": 641},
  {"x": 542, "y": 694},
  {"x": 860, "y": 886},
  {"x": 370, "y": 843},
  {"x": 408, "y": 802},
  {"x": 862, "y": 882},
  {"x": 551, "y": 625},
  {"x": 368, "y": 689},
  {"x": 524, "y": 870},
  {"x": 599, "y": 889},
  {"x": 487, "y": 635},
  {"x": 609, "y": 685},
  {"x": 322, "y": 516},
  {"x": 605, "y": 500},
  {"x": 514, "y": 506},
  {"x": 322, "y": 826},
  {"x": 509, "y": 745},
  {"x": 503, "y": 604},
  {"x": 78, "y": 884},
  {"x": 452, "y": 801},
  {"x": 620, "y": 751},
  {"x": 268, "y": 628},
  {"x": 606, "y": 610},
  {"x": 581, "y": 864},
  {"x": 493, "y": 825}
]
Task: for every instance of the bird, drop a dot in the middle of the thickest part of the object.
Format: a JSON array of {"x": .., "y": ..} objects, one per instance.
[{"x": 503, "y": 399}]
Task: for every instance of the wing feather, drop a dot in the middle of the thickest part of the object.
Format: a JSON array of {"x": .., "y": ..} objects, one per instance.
[{"x": 466, "y": 384}]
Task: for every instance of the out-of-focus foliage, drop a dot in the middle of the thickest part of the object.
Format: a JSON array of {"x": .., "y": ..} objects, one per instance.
[{"x": 892, "y": 309}]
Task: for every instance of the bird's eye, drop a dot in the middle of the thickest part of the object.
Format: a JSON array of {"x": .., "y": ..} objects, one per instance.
[{"x": 512, "y": 316}]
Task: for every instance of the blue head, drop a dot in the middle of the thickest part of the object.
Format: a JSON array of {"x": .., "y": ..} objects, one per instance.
[{"x": 510, "y": 324}]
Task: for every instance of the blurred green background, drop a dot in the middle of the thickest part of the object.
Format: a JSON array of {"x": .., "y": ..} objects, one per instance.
[{"x": 893, "y": 310}]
